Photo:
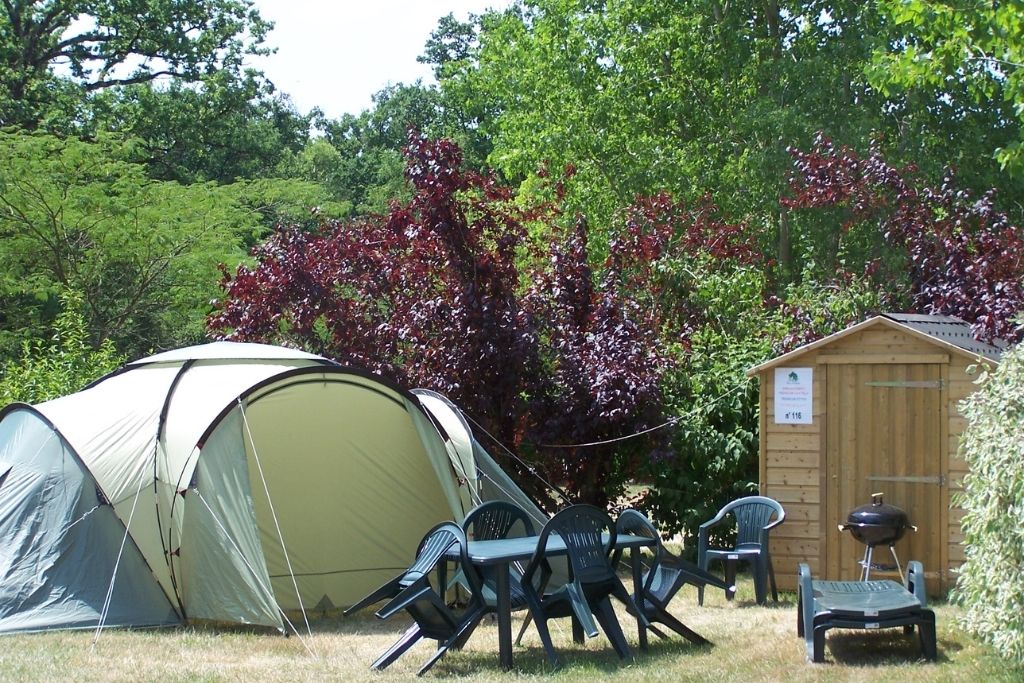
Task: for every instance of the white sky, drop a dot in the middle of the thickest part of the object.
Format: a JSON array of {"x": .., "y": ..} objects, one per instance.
[{"x": 335, "y": 54}]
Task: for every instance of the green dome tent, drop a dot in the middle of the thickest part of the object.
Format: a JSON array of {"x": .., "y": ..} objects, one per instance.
[{"x": 228, "y": 482}]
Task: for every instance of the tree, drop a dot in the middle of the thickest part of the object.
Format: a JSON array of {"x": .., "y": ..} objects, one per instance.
[
  {"x": 449, "y": 292},
  {"x": 452, "y": 42},
  {"x": 944, "y": 249},
  {"x": 107, "y": 43},
  {"x": 696, "y": 96},
  {"x": 643, "y": 96},
  {"x": 142, "y": 254},
  {"x": 227, "y": 128},
  {"x": 369, "y": 171},
  {"x": 970, "y": 54}
]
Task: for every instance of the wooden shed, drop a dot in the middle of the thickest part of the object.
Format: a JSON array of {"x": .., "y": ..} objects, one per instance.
[{"x": 873, "y": 408}]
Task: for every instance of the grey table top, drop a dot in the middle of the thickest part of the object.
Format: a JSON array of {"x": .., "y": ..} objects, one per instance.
[{"x": 500, "y": 551}]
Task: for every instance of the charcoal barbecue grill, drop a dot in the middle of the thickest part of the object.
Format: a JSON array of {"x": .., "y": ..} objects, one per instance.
[{"x": 877, "y": 524}]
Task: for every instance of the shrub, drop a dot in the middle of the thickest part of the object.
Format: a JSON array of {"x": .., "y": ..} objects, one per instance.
[
  {"x": 991, "y": 583},
  {"x": 62, "y": 365}
]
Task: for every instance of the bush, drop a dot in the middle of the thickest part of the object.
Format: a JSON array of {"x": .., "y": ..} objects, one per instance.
[
  {"x": 991, "y": 583},
  {"x": 63, "y": 365},
  {"x": 713, "y": 454}
]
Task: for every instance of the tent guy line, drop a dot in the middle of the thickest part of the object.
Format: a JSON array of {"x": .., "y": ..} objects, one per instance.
[{"x": 273, "y": 514}]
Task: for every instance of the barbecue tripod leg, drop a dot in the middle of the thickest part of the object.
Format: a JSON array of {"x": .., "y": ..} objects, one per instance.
[
  {"x": 865, "y": 564},
  {"x": 899, "y": 567}
]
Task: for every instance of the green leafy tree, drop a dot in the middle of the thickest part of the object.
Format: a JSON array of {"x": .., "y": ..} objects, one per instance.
[
  {"x": 228, "y": 127},
  {"x": 368, "y": 170},
  {"x": 991, "y": 582},
  {"x": 108, "y": 43},
  {"x": 965, "y": 56},
  {"x": 63, "y": 364},
  {"x": 696, "y": 96},
  {"x": 642, "y": 96},
  {"x": 143, "y": 254}
]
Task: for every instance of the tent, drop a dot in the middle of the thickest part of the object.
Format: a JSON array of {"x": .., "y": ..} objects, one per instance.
[{"x": 229, "y": 482}]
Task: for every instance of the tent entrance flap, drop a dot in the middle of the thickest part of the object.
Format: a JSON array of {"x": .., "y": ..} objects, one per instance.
[
  {"x": 352, "y": 514},
  {"x": 222, "y": 573}
]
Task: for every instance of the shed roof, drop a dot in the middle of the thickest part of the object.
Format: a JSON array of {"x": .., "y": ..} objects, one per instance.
[
  {"x": 950, "y": 329},
  {"x": 946, "y": 331}
]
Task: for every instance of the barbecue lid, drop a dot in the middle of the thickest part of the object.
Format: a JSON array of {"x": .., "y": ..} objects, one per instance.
[{"x": 878, "y": 513}]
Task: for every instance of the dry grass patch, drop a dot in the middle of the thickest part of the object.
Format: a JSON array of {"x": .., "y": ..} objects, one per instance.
[{"x": 751, "y": 643}]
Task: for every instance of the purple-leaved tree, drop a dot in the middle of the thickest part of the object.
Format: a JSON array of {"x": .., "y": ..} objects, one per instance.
[
  {"x": 450, "y": 292},
  {"x": 961, "y": 255}
]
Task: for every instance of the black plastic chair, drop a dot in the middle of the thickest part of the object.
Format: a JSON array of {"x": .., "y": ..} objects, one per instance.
[
  {"x": 755, "y": 516},
  {"x": 589, "y": 536},
  {"x": 412, "y": 592},
  {"x": 493, "y": 520},
  {"x": 665, "y": 575}
]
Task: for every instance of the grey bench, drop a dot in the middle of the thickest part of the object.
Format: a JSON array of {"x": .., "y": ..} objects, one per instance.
[{"x": 822, "y": 605}]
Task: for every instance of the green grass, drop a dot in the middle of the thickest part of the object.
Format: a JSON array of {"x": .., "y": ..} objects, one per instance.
[{"x": 751, "y": 643}]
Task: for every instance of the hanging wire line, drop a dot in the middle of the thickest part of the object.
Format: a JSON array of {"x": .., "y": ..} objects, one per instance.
[
  {"x": 255, "y": 574},
  {"x": 668, "y": 423},
  {"x": 273, "y": 514},
  {"x": 531, "y": 468},
  {"x": 605, "y": 442},
  {"x": 104, "y": 613}
]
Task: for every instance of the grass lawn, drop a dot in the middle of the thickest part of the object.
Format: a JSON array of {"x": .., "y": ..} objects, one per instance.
[{"x": 751, "y": 643}]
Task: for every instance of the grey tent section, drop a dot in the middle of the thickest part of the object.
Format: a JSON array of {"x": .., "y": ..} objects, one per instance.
[{"x": 61, "y": 545}]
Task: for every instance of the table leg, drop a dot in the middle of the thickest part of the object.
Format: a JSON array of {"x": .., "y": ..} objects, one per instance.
[
  {"x": 635, "y": 562},
  {"x": 504, "y": 608}
]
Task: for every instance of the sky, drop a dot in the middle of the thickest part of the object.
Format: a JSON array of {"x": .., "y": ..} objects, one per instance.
[{"x": 335, "y": 54}]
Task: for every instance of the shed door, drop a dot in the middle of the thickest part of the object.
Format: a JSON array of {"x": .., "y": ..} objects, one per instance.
[{"x": 884, "y": 430}]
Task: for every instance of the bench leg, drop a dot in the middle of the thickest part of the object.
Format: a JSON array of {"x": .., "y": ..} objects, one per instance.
[
  {"x": 816, "y": 643},
  {"x": 926, "y": 634},
  {"x": 799, "y": 612}
]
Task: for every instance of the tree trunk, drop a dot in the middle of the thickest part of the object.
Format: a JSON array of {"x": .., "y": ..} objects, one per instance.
[{"x": 785, "y": 245}]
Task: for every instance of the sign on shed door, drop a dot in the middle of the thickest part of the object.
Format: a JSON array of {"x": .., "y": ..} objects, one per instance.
[{"x": 883, "y": 434}]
